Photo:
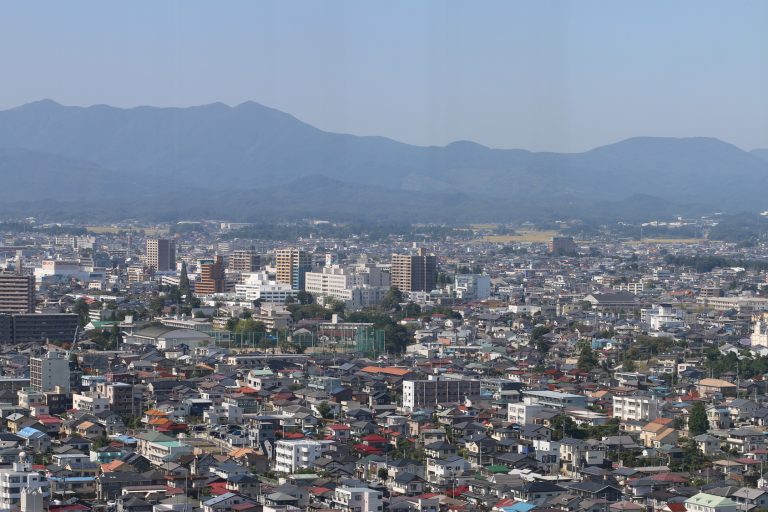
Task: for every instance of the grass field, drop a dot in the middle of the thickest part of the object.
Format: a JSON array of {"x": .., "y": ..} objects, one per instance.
[
  {"x": 102, "y": 229},
  {"x": 522, "y": 236}
]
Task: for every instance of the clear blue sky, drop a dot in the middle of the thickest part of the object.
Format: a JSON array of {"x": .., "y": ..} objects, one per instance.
[{"x": 541, "y": 75}]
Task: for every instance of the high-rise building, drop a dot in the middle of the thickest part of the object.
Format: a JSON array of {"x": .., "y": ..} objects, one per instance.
[
  {"x": 562, "y": 246},
  {"x": 48, "y": 372},
  {"x": 414, "y": 272},
  {"x": 244, "y": 260},
  {"x": 292, "y": 265},
  {"x": 17, "y": 293},
  {"x": 211, "y": 277},
  {"x": 161, "y": 254}
]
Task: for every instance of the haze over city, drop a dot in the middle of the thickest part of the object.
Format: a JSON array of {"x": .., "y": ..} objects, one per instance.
[{"x": 384, "y": 256}]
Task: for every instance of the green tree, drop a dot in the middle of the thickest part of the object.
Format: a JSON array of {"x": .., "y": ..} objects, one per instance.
[
  {"x": 628, "y": 364},
  {"x": 697, "y": 419},
  {"x": 185, "y": 288},
  {"x": 587, "y": 359},
  {"x": 82, "y": 310},
  {"x": 392, "y": 299},
  {"x": 324, "y": 409},
  {"x": 305, "y": 298}
]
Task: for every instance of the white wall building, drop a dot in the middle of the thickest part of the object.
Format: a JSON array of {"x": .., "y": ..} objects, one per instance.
[
  {"x": 357, "y": 286},
  {"x": 258, "y": 286},
  {"x": 635, "y": 408},
  {"x": 49, "y": 372},
  {"x": 663, "y": 317},
  {"x": 20, "y": 486},
  {"x": 292, "y": 455},
  {"x": 358, "y": 499},
  {"x": 473, "y": 286}
]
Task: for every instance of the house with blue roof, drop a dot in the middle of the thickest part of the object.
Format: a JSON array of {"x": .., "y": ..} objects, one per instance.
[{"x": 38, "y": 441}]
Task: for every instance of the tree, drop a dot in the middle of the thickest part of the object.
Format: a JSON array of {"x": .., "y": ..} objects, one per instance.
[
  {"x": 697, "y": 419},
  {"x": 82, "y": 310},
  {"x": 392, "y": 299},
  {"x": 324, "y": 409},
  {"x": 628, "y": 364},
  {"x": 587, "y": 358},
  {"x": 382, "y": 473},
  {"x": 412, "y": 310},
  {"x": 185, "y": 288},
  {"x": 305, "y": 298}
]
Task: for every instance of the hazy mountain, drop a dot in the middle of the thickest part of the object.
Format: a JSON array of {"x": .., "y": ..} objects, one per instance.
[
  {"x": 250, "y": 157},
  {"x": 760, "y": 153}
]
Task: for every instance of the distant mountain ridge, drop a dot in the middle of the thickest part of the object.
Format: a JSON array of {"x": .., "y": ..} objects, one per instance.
[{"x": 219, "y": 153}]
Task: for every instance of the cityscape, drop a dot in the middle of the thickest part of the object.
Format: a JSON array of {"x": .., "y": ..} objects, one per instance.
[{"x": 343, "y": 256}]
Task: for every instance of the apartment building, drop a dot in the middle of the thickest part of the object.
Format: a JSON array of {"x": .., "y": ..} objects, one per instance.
[
  {"x": 244, "y": 260},
  {"x": 635, "y": 408},
  {"x": 49, "y": 372},
  {"x": 17, "y": 293},
  {"x": 358, "y": 499},
  {"x": 161, "y": 254},
  {"x": 211, "y": 277},
  {"x": 21, "y": 488},
  {"x": 554, "y": 399},
  {"x": 292, "y": 265},
  {"x": 292, "y": 455},
  {"x": 414, "y": 272},
  {"x": 428, "y": 393}
]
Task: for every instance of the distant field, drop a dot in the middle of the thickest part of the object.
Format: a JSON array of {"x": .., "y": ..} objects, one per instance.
[
  {"x": 672, "y": 240},
  {"x": 483, "y": 226},
  {"x": 112, "y": 229},
  {"x": 102, "y": 229},
  {"x": 522, "y": 236}
]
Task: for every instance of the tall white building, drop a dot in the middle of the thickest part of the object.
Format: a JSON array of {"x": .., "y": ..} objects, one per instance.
[
  {"x": 759, "y": 336},
  {"x": 21, "y": 489},
  {"x": 663, "y": 317},
  {"x": 292, "y": 455},
  {"x": 358, "y": 499},
  {"x": 473, "y": 286},
  {"x": 635, "y": 408},
  {"x": 50, "y": 371},
  {"x": 257, "y": 285},
  {"x": 358, "y": 286}
]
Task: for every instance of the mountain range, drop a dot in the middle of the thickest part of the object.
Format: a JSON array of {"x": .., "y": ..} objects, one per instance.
[{"x": 253, "y": 162}]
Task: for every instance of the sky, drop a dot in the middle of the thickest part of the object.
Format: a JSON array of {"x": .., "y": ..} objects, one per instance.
[{"x": 540, "y": 75}]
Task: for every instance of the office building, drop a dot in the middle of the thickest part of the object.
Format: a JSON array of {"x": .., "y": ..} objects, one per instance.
[
  {"x": 429, "y": 393},
  {"x": 49, "y": 372},
  {"x": 246, "y": 260},
  {"x": 358, "y": 286},
  {"x": 292, "y": 266},
  {"x": 44, "y": 327},
  {"x": 211, "y": 277},
  {"x": 17, "y": 293},
  {"x": 414, "y": 272},
  {"x": 161, "y": 254},
  {"x": 257, "y": 286}
]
